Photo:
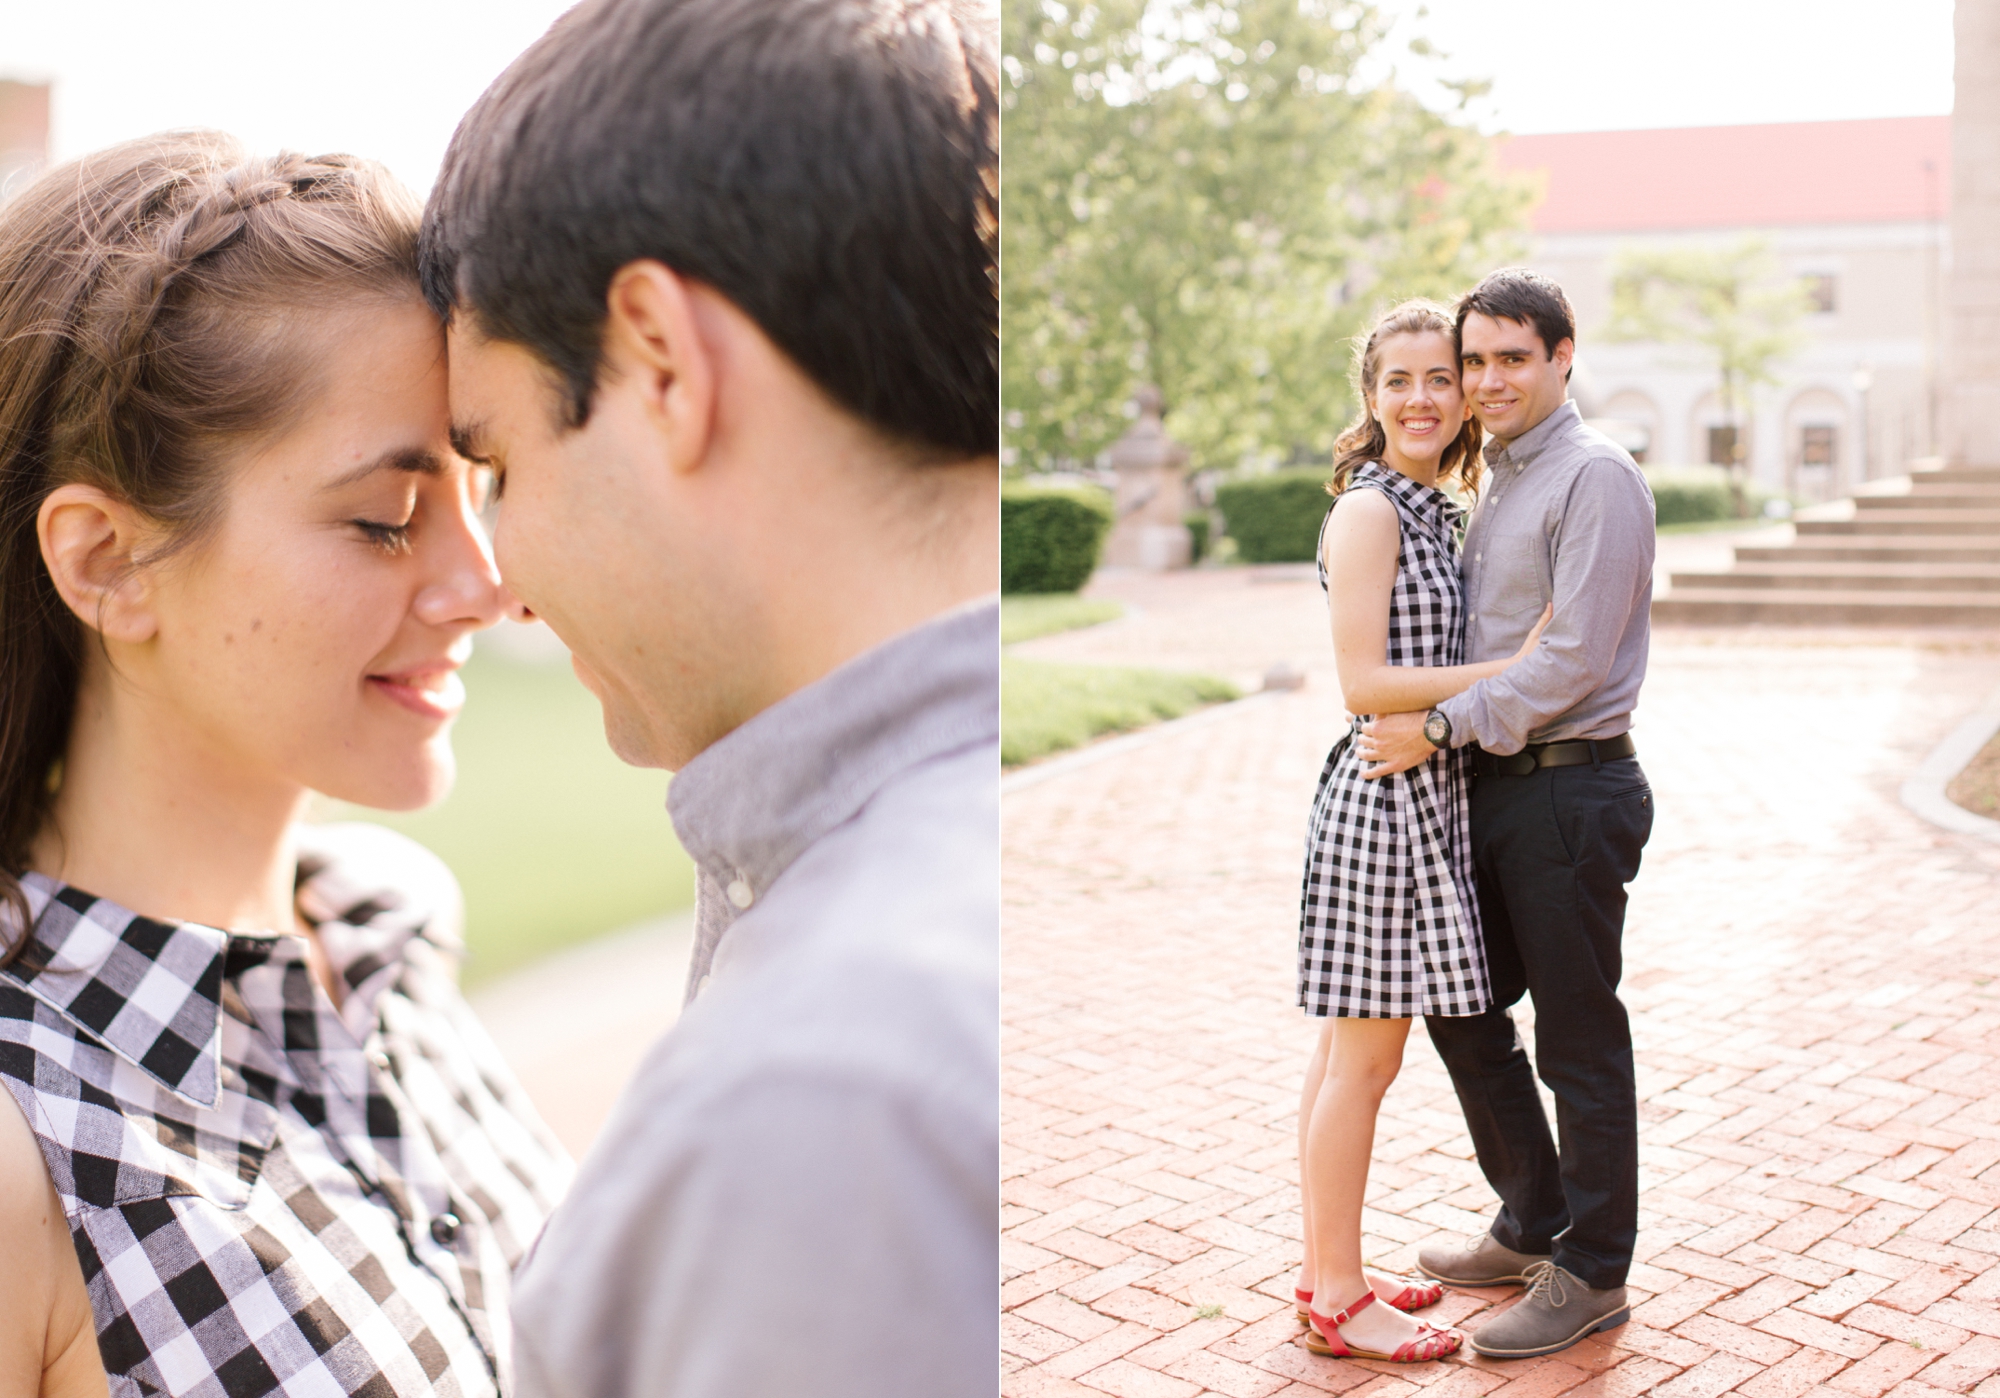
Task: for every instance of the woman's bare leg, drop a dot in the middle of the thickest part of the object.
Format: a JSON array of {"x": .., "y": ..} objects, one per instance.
[
  {"x": 1362, "y": 1059},
  {"x": 1315, "y": 1076}
]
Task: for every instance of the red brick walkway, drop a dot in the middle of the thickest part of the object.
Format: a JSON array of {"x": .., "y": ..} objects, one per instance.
[{"x": 1811, "y": 972}]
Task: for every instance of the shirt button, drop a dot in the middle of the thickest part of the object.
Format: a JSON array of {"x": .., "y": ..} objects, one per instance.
[
  {"x": 379, "y": 1059},
  {"x": 444, "y": 1229},
  {"x": 739, "y": 893}
]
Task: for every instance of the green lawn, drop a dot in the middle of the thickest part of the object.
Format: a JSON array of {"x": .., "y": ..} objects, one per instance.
[
  {"x": 1025, "y": 616},
  {"x": 553, "y": 838},
  {"x": 1046, "y": 706}
]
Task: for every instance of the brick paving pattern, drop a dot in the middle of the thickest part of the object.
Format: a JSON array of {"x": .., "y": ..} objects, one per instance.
[{"x": 1814, "y": 976}]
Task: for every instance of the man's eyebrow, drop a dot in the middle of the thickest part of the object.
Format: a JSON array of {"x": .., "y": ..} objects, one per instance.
[
  {"x": 468, "y": 439},
  {"x": 417, "y": 460}
]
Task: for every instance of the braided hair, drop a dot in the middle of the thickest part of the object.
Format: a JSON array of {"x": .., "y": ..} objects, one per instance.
[
  {"x": 158, "y": 303},
  {"x": 1365, "y": 440}
]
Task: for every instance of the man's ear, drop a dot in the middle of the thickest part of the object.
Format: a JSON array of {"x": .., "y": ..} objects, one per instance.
[
  {"x": 1565, "y": 354},
  {"x": 90, "y": 541},
  {"x": 653, "y": 341}
]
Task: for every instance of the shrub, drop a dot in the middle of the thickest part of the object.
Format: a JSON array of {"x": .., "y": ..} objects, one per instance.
[
  {"x": 1700, "y": 495},
  {"x": 1050, "y": 536},
  {"x": 1690, "y": 495},
  {"x": 1275, "y": 518},
  {"x": 1197, "y": 524}
]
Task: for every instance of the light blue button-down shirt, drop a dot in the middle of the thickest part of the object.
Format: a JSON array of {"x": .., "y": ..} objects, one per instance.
[
  {"x": 799, "y": 1192},
  {"x": 1563, "y": 515}
]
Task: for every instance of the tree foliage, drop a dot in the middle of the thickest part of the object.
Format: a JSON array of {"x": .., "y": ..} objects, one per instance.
[
  {"x": 1733, "y": 304},
  {"x": 1211, "y": 196}
]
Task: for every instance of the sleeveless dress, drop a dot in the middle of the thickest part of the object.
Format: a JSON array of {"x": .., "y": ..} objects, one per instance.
[
  {"x": 272, "y": 1194},
  {"x": 1388, "y": 920}
]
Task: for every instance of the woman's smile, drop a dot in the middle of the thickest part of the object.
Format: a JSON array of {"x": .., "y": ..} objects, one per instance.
[{"x": 432, "y": 690}]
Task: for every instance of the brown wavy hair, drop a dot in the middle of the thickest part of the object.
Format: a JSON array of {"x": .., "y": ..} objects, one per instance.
[
  {"x": 1364, "y": 439},
  {"x": 161, "y": 305}
]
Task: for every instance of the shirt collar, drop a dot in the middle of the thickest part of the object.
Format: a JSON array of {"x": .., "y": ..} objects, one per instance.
[
  {"x": 152, "y": 991},
  {"x": 1529, "y": 444},
  {"x": 751, "y": 803}
]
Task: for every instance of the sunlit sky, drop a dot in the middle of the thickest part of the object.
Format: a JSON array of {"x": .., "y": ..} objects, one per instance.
[{"x": 390, "y": 78}]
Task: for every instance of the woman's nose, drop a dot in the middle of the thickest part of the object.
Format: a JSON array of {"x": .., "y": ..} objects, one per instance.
[{"x": 465, "y": 589}]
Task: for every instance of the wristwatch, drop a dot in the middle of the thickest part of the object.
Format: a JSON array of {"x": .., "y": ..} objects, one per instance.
[{"x": 1437, "y": 728}]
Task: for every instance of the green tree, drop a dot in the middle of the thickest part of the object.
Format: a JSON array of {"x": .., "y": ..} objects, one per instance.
[
  {"x": 1735, "y": 305},
  {"x": 1208, "y": 195}
]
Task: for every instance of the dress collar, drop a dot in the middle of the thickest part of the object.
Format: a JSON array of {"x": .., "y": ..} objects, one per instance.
[{"x": 153, "y": 992}]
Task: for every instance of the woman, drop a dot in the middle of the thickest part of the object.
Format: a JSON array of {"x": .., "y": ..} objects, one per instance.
[
  {"x": 1389, "y": 927},
  {"x": 252, "y": 1141}
]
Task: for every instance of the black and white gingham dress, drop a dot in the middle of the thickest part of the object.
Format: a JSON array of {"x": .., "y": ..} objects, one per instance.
[
  {"x": 271, "y": 1195},
  {"x": 1388, "y": 924}
]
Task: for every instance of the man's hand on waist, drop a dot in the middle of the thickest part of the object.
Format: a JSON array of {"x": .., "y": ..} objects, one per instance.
[{"x": 1392, "y": 743}]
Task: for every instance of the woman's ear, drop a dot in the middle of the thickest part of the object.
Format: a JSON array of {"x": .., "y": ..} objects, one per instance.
[{"x": 90, "y": 541}]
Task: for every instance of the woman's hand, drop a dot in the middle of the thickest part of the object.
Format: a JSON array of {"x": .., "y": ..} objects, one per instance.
[{"x": 1534, "y": 636}]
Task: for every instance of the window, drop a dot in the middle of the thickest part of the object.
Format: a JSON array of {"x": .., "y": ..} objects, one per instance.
[
  {"x": 1817, "y": 445},
  {"x": 1722, "y": 446},
  {"x": 1819, "y": 290}
]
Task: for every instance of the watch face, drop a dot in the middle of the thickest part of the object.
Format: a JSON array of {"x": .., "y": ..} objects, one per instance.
[{"x": 1438, "y": 729}]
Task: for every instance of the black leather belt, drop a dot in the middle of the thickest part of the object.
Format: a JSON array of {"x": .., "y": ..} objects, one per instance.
[{"x": 1534, "y": 755}]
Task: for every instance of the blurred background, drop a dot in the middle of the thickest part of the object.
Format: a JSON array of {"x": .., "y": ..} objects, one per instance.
[{"x": 554, "y": 840}]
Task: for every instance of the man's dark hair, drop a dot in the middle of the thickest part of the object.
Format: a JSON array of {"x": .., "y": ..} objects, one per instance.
[
  {"x": 829, "y": 166},
  {"x": 1527, "y": 298}
]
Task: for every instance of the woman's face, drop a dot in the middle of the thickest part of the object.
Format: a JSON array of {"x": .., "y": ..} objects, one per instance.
[
  {"x": 313, "y": 637},
  {"x": 1417, "y": 398}
]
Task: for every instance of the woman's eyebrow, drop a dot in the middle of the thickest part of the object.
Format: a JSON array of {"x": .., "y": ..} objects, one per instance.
[{"x": 417, "y": 460}]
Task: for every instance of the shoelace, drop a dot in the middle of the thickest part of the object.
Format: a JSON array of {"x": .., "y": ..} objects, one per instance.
[{"x": 1548, "y": 1282}]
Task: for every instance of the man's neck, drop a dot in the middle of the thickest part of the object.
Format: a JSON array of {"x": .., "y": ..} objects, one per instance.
[{"x": 1508, "y": 442}]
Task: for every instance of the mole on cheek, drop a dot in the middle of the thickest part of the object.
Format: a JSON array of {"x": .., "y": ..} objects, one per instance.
[{"x": 256, "y": 623}]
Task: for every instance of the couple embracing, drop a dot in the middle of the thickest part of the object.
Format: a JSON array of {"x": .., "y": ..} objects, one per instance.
[
  {"x": 701, "y": 323},
  {"x": 1474, "y": 832}
]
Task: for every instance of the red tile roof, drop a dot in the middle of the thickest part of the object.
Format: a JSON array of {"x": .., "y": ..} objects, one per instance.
[{"x": 1739, "y": 176}]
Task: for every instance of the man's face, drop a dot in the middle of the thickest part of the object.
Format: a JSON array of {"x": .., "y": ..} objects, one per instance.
[
  {"x": 589, "y": 537},
  {"x": 1511, "y": 378}
]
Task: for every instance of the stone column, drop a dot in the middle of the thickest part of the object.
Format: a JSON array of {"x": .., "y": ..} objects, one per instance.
[
  {"x": 1151, "y": 531},
  {"x": 1971, "y": 367}
]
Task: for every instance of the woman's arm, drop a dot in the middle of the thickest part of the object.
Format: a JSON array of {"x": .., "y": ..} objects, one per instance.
[
  {"x": 1363, "y": 540},
  {"x": 48, "y": 1339}
]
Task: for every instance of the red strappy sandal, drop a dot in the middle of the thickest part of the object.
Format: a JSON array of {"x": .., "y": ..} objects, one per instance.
[
  {"x": 1323, "y": 1337},
  {"x": 1413, "y": 1297}
]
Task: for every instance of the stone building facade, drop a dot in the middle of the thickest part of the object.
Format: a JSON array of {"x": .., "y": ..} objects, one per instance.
[{"x": 1860, "y": 211}]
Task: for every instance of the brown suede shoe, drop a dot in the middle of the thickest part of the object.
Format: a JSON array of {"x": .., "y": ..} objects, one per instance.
[
  {"x": 1483, "y": 1263},
  {"x": 1558, "y": 1311}
]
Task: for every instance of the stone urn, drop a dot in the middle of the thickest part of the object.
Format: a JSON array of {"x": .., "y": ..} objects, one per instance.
[{"x": 1151, "y": 496}]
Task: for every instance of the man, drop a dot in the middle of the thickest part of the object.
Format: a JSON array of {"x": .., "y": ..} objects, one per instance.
[
  {"x": 720, "y": 280},
  {"x": 1560, "y": 813}
]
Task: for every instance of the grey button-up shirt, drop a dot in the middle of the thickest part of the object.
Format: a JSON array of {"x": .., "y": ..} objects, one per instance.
[
  {"x": 799, "y": 1192},
  {"x": 1563, "y": 514}
]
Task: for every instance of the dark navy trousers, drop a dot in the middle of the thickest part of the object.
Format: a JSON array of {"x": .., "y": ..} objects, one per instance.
[{"x": 1554, "y": 850}]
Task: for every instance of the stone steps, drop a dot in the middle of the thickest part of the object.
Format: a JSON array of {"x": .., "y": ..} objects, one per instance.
[
  {"x": 1773, "y": 606},
  {"x": 1847, "y": 577},
  {"x": 1928, "y": 557}
]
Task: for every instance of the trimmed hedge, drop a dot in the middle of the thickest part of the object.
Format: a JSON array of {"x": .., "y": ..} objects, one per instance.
[
  {"x": 1275, "y": 518},
  {"x": 1699, "y": 495},
  {"x": 1690, "y": 497},
  {"x": 1051, "y": 536}
]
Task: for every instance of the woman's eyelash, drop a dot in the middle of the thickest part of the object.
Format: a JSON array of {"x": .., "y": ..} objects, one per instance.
[{"x": 392, "y": 537}]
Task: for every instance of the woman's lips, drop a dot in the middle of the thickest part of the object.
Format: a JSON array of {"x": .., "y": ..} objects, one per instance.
[{"x": 434, "y": 694}]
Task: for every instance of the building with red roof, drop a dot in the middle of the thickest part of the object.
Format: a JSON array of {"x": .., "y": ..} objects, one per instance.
[{"x": 1858, "y": 210}]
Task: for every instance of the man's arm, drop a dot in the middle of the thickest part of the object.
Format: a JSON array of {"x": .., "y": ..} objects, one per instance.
[
  {"x": 1603, "y": 564},
  {"x": 1603, "y": 561}
]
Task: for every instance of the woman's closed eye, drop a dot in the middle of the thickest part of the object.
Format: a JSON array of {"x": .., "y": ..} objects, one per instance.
[{"x": 390, "y": 538}]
